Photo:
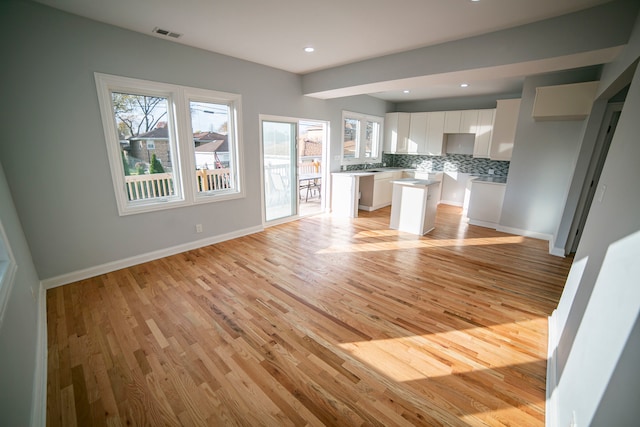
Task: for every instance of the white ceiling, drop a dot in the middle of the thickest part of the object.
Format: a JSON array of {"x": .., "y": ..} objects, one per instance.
[{"x": 274, "y": 33}]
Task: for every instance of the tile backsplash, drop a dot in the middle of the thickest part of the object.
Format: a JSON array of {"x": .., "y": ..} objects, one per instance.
[{"x": 463, "y": 163}]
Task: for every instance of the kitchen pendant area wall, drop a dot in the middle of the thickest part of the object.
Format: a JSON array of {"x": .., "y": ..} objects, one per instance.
[{"x": 463, "y": 163}]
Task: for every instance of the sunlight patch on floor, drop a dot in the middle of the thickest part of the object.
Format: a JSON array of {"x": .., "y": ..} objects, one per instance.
[
  {"x": 413, "y": 358},
  {"x": 420, "y": 244}
]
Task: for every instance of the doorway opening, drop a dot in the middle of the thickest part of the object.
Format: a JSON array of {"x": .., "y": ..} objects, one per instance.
[
  {"x": 294, "y": 153},
  {"x": 600, "y": 152}
]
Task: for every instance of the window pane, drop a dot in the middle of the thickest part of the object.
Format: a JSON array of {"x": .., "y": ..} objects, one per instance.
[
  {"x": 350, "y": 146},
  {"x": 278, "y": 148},
  {"x": 213, "y": 146},
  {"x": 145, "y": 144},
  {"x": 372, "y": 139}
]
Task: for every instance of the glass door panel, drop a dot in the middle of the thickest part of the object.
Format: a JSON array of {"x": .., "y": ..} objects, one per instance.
[{"x": 279, "y": 160}]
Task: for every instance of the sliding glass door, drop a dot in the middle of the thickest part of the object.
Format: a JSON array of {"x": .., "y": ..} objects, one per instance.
[{"x": 279, "y": 164}]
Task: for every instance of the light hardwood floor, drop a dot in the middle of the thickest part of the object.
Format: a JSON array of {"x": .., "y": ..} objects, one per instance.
[{"x": 323, "y": 321}]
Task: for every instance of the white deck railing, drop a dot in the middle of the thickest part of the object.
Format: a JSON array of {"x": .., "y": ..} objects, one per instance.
[
  {"x": 214, "y": 179},
  {"x": 140, "y": 187}
]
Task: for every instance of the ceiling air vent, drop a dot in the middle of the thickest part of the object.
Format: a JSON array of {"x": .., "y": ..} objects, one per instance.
[{"x": 166, "y": 33}]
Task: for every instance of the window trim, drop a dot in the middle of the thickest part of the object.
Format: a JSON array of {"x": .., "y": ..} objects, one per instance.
[
  {"x": 361, "y": 139},
  {"x": 179, "y": 124},
  {"x": 236, "y": 160},
  {"x": 8, "y": 269}
]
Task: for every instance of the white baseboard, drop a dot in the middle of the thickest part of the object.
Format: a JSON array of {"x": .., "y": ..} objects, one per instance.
[
  {"x": 556, "y": 251},
  {"x": 39, "y": 400},
  {"x": 452, "y": 203},
  {"x": 542, "y": 236},
  {"x": 553, "y": 250},
  {"x": 526, "y": 233},
  {"x": 551, "y": 412},
  {"x": 486, "y": 224},
  {"x": 373, "y": 208},
  {"x": 97, "y": 270}
]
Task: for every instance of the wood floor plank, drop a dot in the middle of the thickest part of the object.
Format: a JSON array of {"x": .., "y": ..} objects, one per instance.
[{"x": 322, "y": 321}]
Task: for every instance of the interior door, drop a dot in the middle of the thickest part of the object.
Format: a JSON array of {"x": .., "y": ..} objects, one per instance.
[
  {"x": 279, "y": 158},
  {"x": 593, "y": 176}
]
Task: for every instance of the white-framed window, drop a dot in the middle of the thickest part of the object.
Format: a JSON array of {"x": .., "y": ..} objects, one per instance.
[
  {"x": 170, "y": 145},
  {"x": 8, "y": 268},
  {"x": 361, "y": 137}
]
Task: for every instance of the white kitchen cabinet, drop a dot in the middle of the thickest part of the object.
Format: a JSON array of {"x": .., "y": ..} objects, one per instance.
[
  {"x": 483, "y": 131},
  {"x": 485, "y": 203},
  {"x": 460, "y": 121},
  {"x": 435, "y": 133},
  {"x": 452, "y": 121},
  {"x": 468, "y": 121},
  {"x": 417, "y": 143},
  {"x": 396, "y": 134},
  {"x": 564, "y": 102},
  {"x": 376, "y": 189},
  {"x": 454, "y": 188},
  {"x": 504, "y": 129},
  {"x": 344, "y": 195}
]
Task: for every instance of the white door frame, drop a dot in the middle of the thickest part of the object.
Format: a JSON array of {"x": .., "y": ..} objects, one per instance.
[{"x": 325, "y": 169}]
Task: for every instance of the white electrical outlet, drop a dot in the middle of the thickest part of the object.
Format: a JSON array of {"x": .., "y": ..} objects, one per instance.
[
  {"x": 490, "y": 171},
  {"x": 198, "y": 228},
  {"x": 574, "y": 422}
]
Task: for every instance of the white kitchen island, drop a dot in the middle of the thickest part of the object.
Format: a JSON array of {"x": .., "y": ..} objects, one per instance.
[{"x": 413, "y": 205}]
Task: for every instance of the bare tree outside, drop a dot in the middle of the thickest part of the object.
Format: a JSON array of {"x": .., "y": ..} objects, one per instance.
[{"x": 137, "y": 114}]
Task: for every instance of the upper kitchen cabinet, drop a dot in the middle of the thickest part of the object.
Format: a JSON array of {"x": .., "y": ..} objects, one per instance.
[
  {"x": 452, "y": 121},
  {"x": 504, "y": 129},
  {"x": 414, "y": 133},
  {"x": 483, "y": 131},
  {"x": 435, "y": 133},
  {"x": 469, "y": 121},
  {"x": 417, "y": 133},
  {"x": 460, "y": 121},
  {"x": 564, "y": 102},
  {"x": 426, "y": 133},
  {"x": 396, "y": 132}
]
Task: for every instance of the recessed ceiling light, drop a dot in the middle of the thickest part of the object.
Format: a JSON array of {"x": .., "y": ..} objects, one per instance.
[
  {"x": 464, "y": 85},
  {"x": 309, "y": 49},
  {"x": 405, "y": 91}
]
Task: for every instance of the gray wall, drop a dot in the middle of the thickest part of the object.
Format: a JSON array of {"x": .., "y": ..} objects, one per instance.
[
  {"x": 597, "y": 317},
  {"x": 19, "y": 330},
  {"x": 460, "y": 103},
  {"x": 544, "y": 157},
  {"x": 54, "y": 152}
]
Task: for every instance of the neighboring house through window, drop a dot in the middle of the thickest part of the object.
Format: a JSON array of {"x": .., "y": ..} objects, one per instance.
[
  {"x": 169, "y": 145},
  {"x": 361, "y": 137}
]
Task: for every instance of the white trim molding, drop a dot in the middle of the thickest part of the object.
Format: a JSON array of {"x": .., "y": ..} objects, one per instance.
[
  {"x": 534, "y": 234},
  {"x": 551, "y": 411},
  {"x": 97, "y": 270},
  {"x": 39, "y": 401},
  {"x": 8, "y": 269},
  {"x": 526, "y": 233}
]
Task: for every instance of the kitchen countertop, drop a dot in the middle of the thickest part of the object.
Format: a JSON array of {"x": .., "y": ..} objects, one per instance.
[
  {"x": 415, "y": 182},
  {"x": 490, "y": 179},
  {"x": 372, "y": 171}
]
